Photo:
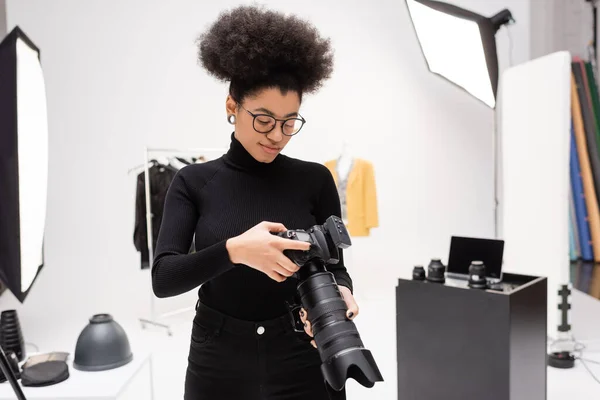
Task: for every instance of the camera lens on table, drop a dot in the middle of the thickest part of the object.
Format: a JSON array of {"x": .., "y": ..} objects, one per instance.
[
  {"x": 418, "y": 273},
  {"x": 477, "y": 275},
  {"x": 436, "y": 271}
]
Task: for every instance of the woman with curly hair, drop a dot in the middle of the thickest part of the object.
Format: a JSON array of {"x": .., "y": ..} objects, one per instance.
[{"x": 243, "y": 346}]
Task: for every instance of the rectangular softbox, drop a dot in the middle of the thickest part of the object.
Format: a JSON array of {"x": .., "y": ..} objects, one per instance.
[
  {"x": 23, "y": 163},
  {"x": 459, "y": 45}
]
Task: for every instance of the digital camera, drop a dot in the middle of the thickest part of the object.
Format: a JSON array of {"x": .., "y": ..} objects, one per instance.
[{"x": 340, "y": 347}]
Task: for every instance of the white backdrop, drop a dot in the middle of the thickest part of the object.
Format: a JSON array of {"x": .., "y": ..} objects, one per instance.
[
  {"x": 123, "y": 74},
  {"x": 536, "y": 112}
]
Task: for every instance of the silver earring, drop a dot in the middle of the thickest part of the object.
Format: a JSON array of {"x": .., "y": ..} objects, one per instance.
[{"x": 231, "y": 119}]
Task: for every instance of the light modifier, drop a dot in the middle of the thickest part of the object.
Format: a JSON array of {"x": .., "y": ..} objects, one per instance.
[
  {"x": 460, "y": 45},
  {"x": 23, "y": 163}
]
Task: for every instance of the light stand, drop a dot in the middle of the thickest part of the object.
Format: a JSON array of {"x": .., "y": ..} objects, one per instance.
[
  {"x": 460, "y": 46},
  {"x": 561, "y": 355},
  {"x": 595, "y": 24},
  {"x": 10, "y": 376}
]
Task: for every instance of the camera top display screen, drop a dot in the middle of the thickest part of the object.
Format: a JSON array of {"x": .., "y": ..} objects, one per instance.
[{"x": 303, "y": 236}]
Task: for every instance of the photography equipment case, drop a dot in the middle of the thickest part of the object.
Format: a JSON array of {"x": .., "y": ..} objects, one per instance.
[{"x": 458, "y": 343}]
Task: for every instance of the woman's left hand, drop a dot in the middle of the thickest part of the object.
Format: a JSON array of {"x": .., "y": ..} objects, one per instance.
[{"x": 351, "y": 313}]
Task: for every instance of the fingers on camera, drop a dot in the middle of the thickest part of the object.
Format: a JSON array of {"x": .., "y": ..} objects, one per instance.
[
  {"x": 288, "y": 244},
  {"x": 303, "y": 316},
  {"x": 305, "y": 321},
  {"x": 285, "y": 268},
  {"x": 289, "y": 265},
  {"x": 308, "y": 329},
  {"x": 304, "y": 246},
  {"x": 277, "y": 276},
  {"x": 274, "y": 226}
]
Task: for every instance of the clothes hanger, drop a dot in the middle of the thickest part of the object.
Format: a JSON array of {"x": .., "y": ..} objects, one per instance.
[
  {"x": 141, "y": 167},
  {"x": 346, "y": 153},
  {"x": 163, "y": 160},
  {"x": 176, "y": 163},
  {"x": 345, "y": 161},
  {"x": 346, "y": 150}
]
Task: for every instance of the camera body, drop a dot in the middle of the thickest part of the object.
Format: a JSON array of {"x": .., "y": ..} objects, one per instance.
[
  {"x": 325, "y": 241},
  {"x": 340, "y": 347}
]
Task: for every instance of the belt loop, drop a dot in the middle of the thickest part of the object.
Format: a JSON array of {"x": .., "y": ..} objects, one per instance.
[{"x": 197, "y": 305}]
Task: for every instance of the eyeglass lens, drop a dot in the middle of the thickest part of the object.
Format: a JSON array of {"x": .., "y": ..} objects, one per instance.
[{"x": 265, "y": 124}]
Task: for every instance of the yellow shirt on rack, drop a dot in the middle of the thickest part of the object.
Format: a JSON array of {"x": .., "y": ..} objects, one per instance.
[{"x": 361, "y": 196}]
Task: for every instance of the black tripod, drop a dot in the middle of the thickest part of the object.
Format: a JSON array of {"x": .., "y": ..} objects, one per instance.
[{"x": 10, "y": 376}]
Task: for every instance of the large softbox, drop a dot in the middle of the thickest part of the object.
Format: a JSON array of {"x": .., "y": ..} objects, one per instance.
[
  {"x": 460, "y": 45},
  {"x": 23, "y": 163}
]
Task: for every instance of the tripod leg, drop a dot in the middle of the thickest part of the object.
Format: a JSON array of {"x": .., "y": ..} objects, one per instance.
[{"x": 10, "y": 376}]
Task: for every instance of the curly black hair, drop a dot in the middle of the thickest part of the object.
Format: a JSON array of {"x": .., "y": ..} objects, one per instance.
[{"x": 253, "y": 48}]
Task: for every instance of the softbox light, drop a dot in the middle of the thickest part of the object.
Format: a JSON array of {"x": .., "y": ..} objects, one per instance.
[
  {"x": 23, "y": 163},
  {"x": 460, "y": 45}
]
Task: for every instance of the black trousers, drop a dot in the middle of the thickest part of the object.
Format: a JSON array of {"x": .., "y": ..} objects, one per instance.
[{"x": 231, "y": 359}]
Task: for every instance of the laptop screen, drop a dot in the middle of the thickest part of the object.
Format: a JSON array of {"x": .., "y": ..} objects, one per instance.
[{"x": 463, "y": 250}]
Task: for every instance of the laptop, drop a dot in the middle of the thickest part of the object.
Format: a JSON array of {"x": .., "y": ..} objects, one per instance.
[{"x": 463, "y": 250}]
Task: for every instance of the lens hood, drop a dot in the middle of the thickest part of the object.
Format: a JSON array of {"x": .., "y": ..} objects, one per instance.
[{"x": 356, "y": 363}]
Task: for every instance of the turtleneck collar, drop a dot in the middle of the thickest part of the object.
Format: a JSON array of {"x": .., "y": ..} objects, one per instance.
[{"x": 238, "y": 157}]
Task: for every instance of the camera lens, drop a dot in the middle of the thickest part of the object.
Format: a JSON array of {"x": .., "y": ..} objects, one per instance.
[
  {"x": 341, "y": 349},
  {"x": 418, "y": 273},
  {"x": 477, "y": 275},
  {"x": 343, "y": 354},
  {"x": 436, "y": 271}
]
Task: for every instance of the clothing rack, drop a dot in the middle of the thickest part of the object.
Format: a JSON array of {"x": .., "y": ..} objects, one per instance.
[{"x": 165, "y": 152}]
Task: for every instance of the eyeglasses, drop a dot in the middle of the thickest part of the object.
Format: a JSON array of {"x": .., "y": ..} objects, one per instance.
[{"x": 265, "y": 123}]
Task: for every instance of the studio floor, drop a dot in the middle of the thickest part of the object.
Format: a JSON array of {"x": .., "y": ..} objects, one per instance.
[{"x": 377, "y": 327}]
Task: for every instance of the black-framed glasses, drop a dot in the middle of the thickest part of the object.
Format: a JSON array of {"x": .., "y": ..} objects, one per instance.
[{"x": 265, "y": 123}]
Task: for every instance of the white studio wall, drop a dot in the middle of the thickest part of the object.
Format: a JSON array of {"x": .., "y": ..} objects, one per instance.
[
  {"x": 558, "y": 25},
  {"x": 536, "y": 125},
  {"x": 123, "y": 75}
]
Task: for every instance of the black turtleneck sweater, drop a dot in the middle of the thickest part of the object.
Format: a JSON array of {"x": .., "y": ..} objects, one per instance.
[{"x": 224, "y": 198}]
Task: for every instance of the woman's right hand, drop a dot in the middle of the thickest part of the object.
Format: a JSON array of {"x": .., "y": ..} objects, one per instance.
[{"x": 263, "y": 251}]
